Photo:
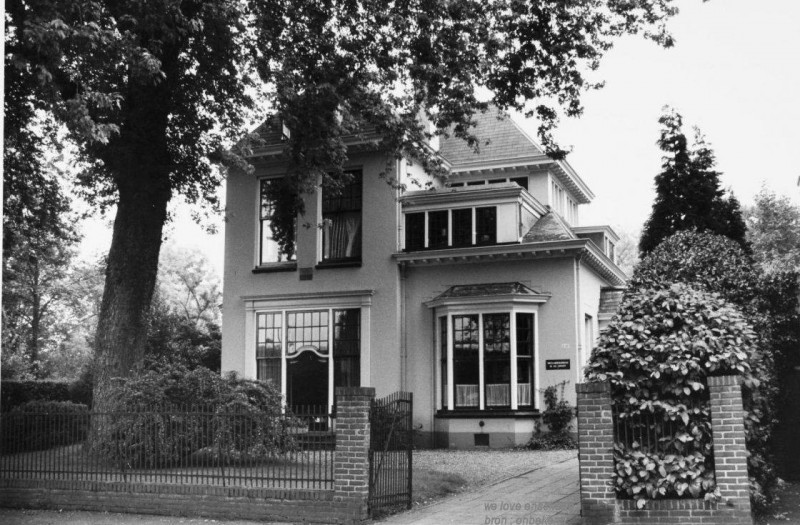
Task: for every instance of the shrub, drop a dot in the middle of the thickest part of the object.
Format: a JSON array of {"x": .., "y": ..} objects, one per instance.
[
  {"x": 19, "y": 392},
  {"x": 718, "y": 265},
  {"x": 712, "y": 262},
  {"x": 161, "y": 418},
  {"x": 42, "y": 425},
  {"x": 557, "y": 416},
  {"x": 657, "y": 353}
]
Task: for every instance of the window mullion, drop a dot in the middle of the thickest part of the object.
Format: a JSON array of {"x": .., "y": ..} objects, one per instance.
[
  {"x": 330, "y": 360},
  {"x": 450, "y": 383},
  {"x": 450, "y": 227},
  {"x": 426, "y": 229},
  {"x": 512, "y": 325},
  {"x": 474, "y": 226},
  {"x": 481, "y": 386},
  {"x": 284, "y": 332}
]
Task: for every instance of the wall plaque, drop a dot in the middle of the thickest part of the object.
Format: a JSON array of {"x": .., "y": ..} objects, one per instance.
[{"x": 556, "y": 364}]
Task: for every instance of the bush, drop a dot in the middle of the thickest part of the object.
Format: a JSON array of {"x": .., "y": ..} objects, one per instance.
[
  {"x": 716, "y": 264},
  {"x": 657, "y": 353},
  {"x": 161, "y": 418},
  {"x": 14, "y": 392},
  {"x": 557, "y": 416},
  {"x": 42, "y": 425}
]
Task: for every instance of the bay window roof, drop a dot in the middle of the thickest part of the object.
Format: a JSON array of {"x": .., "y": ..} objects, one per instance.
[{"x": 514, "y": 292}]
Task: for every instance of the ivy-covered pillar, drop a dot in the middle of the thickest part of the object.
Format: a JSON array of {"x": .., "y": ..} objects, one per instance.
[
  {"x": 730, "y": 450},
  {"x": 596, "y": 452}
]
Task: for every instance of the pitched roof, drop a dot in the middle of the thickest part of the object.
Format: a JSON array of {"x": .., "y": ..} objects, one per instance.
[
  {"x": 549, "y": 228},
  {"x": 505, "y": 141},
  {"x": 487, "y": 290}
]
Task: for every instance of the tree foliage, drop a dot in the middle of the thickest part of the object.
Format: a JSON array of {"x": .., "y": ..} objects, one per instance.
[
  {"x": 773, "y": 230},
  {"x": 153, "y": 91},
  {"x": 688, "y": 193}
]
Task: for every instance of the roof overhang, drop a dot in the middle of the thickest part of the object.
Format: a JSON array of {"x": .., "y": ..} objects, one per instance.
[
  {"x": 455, "y": 196},
  {"x": 488, "y": 300},
  {"x": 607, "y": 230},
  {"x": 585, "y": 249},
  {"x": 565, "y": 174}
]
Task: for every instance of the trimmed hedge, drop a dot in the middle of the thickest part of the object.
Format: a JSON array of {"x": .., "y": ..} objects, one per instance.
[
  {"x": 42, "y": 425},
  {"x": 14, "y": 393}
]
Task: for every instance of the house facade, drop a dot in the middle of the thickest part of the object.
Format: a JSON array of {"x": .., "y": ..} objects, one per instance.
[{"x": 475, "y": 294}]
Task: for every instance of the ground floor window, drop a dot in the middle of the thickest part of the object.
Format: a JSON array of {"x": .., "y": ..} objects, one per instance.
[
  {"x": 309, "y": 352},
  {"x": 488, "y": 360}
]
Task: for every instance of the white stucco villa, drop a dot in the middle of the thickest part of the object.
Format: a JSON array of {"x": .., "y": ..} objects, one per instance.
[{"x": 475, "y": 295}]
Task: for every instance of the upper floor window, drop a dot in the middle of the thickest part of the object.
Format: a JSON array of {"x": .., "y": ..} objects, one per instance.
[
  {"x": 451, "y": 228},
  {"x": 563, "y": 203},
  {"x": 341, "y": 218},
  {"x": 270, "y": 249}
]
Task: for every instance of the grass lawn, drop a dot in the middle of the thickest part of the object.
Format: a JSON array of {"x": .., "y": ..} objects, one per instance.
[{"x": 787, "y": 510}]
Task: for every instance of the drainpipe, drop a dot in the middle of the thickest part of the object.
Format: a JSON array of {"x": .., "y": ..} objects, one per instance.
[
  {"x": 402, "y": 270},
  {"x": 578, "y": 319}
]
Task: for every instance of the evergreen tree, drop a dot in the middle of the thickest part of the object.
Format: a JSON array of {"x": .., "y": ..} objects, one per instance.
[{"x": 688, "y": 193}]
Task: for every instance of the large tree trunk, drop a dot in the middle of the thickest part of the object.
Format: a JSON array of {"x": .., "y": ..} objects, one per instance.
[
  {"x": 36, "y": 317},
  {"x": 130, "y": 278}
]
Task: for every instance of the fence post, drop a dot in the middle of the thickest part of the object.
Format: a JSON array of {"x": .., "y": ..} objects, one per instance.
[
  {"x": 351, "y": 459},
  {"x": 730, "y": 450},
  {"x": 596, "y": 452}
]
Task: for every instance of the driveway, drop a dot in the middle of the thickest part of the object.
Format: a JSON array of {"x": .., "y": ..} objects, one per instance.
[{"x": 548, "y": 495}]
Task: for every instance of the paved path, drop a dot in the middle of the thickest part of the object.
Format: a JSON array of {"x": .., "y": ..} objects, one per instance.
[{"x": 544, "y": 496}]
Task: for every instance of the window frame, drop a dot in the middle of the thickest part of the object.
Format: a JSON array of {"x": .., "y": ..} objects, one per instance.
[
  {"x": 446, "y": 396},
  {"x": 333, "y": 261},
  {"x": 330, "y": 354},
  {"x": 260, "y": 263}
]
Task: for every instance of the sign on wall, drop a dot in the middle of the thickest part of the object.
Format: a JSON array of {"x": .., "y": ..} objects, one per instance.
[{"x": 556, "y": 364}]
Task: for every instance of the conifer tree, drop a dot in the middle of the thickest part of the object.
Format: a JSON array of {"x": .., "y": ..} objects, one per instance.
[{"x": 688, "y": 193}]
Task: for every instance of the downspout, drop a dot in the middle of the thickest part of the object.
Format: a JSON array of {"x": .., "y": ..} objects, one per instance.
[
  {"x": 578, "y": 320},
  {"x": 402, "y": 283}
]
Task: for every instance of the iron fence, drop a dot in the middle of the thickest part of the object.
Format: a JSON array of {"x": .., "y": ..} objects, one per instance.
[
  {"x": 655, "y": 430},
  {"x": 221, "y": 446}
]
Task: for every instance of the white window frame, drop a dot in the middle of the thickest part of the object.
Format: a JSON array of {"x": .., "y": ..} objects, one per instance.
[
  {"x": 257, "y": 262},
  {"x": 510, "y": 308},
  {"x": 285, "y": 303}
]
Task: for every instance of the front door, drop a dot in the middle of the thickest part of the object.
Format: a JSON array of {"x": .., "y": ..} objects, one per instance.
[{"x": 307, "y": 381}]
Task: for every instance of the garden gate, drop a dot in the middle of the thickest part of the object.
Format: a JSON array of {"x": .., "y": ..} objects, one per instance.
[{"x": 390, "y": 451}]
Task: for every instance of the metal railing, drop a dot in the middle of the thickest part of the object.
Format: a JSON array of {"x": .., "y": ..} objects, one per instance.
[
  {"x": 652, "y": 431},
  {"x": 174, "y": 445}
]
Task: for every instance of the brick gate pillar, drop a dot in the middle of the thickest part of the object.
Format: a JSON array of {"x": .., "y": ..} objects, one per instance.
[
  {"x": 596, "y": 452},
  {"x": 351, "y": 459},
  {"x": 730, "y": 450}
]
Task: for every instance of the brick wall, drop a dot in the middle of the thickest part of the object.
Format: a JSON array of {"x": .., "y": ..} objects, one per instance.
[
  {"x": 595, "y": 452},
  {"x": 345, "y": 504},
  {"x": 599, "y": 505}
]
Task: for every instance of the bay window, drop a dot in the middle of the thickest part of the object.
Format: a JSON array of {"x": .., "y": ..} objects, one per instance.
[{"x": 488, "y": 358}]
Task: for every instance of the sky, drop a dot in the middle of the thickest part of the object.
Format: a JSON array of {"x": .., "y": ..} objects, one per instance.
[{"x": 734, "y": 72}]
